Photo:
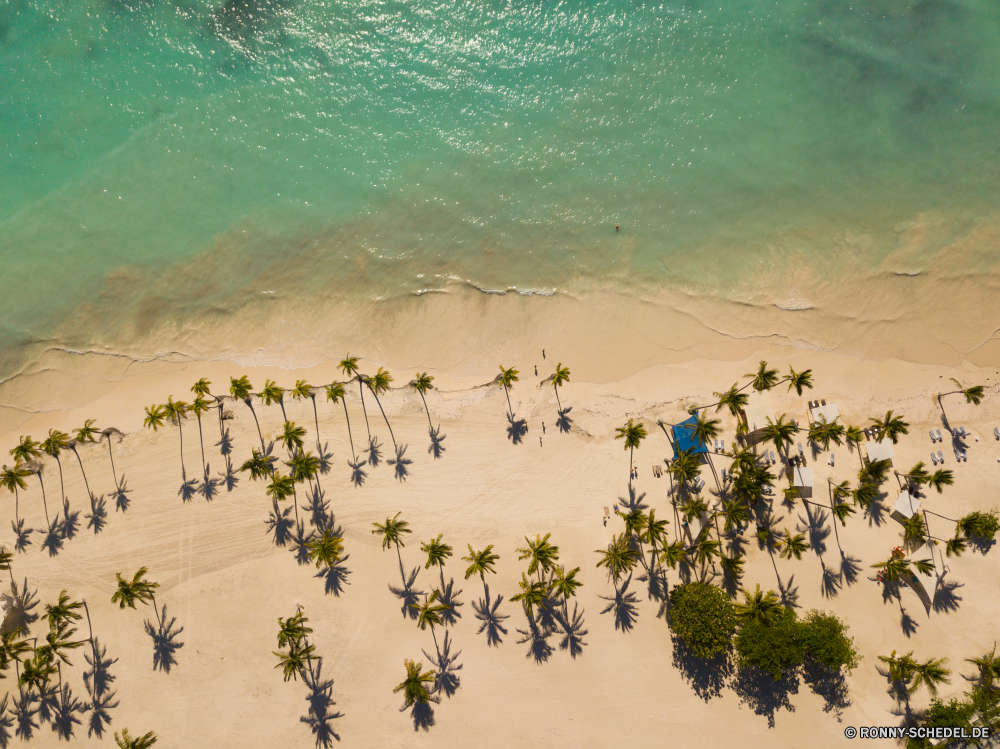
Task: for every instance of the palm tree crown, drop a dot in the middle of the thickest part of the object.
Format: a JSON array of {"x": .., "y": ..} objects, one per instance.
[
  {"x": 25, "y": 450},
  {"x": 412, "y": 687},
  {"x": 240, "y": 388},
  {"x": 890, "y": 426},
  {"x": 326, "y": 550},
  {"x": 763, "y": 378},
  {"x": 543, "y": 555},
  {"x": 758, "y": 606},
  {"x": 632, "y": 433},
  {"x": 138, "y": 590},
  {"x": 155, "y": 416},
  {"x": 480, "y": 562},
  {"x": 436, "y": 551},
  {"x": 127, "y": 741},
  {"x": 619, "y": 558},
  {"x": 201, "y": 387},
  {"x": 799, "y": 380},
  {"x": 732, "y": 399},
  {"x": 392, "y": 531},
  {"x": 973, "y": 394},
  {"x": 301, "y": 390},
  {"x": 87, "y": 433},
  {"x": 55, "y": 443}
]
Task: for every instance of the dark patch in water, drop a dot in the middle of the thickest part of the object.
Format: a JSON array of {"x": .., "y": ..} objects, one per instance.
[{"x": 242, "y": 19}]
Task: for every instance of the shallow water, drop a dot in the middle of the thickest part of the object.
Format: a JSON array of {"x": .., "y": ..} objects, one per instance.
[{"x": 163, "y": 161}]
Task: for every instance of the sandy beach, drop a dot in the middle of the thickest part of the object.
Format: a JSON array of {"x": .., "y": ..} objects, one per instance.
[{"x": 618, "y": 676}]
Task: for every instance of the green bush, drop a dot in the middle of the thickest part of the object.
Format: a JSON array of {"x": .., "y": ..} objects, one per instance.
[
  {"x": 703, "y": 617},
  {"x": 773, "y": 646},
  {"x": 826, "y": 641},
  {"x": 983, "y": 525}
]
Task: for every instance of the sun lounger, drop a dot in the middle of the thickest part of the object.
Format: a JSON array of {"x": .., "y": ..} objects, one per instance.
[
  {"x": 823, "y": 401},
  {"x": 965, "y": 456},
  {"x": 607, "y": 513},
  {"x": 800, "y": 449},
  {"x": 934, "y": 457},
  {"x": 773, "y": 458},
  {"x": 933, "y": 438},
  {"x": 940, "y": 457},
  {"x": 996, "y": 433},
  {"x": 723, "y": 443},
  {"x": 961, "y": 432},
  {"x": 832, "y": 457},
  {"x": 940, "y": 438}
]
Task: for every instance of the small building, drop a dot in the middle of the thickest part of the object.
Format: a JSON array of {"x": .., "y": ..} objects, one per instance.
[
  {"x": 684, "y": 438},
  {"x": 757, "y": 412},
  {"x": 802, "y": 480}
]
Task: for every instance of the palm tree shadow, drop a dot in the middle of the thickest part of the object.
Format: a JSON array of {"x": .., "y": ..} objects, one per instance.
[
  {"x": 573, "y": 632},
  {"x": 165, "y": 643},
  {"x": 358, "y": 476},
  {"x": 817, "y": 529},
  {"x": 97, "y": 679},
  {"x": 946, "y": 599},
  {"x": 6, "y": 723},
  {"x": 23, "y": 603},
  {"x": 449, "y": 598},
  {"x": 67, "y": 708},
  {"x": 790, "y": 593},
  {"x": 538, "y": 640},
  {"x": 634, "y": 502},
  {"x": 188, "y": 489},
  {"x": 22, "y": 535},
  {"x": 318, "y": 508},
  {"x": 730, "y": 583},
  {"x": 209, "y": 486},
  {"x": 400, "y": 462},
  {"x": 225, "y": 443},
  {"x": 324, "y": 455},
  {"x": 906, "y": 622},
  {"x": 53, "y": 542},
  {"x": 335, "y": 577},
  {"x": 446, "y": 679},
  {"x": 98, "y": 516},
  {"x": 436, "y": 448},
  {"x": 24, "y": 713},
  {"x": 516, "y": 430},
  {"x": 831, "y": 583},
  {"x": 564, "y": 422},
  {"x": 100, "y": 717},
  {"x": 850, "y": 568},
  {"x": 229, "y": 477},
  {"x": 408, "y": 594},
  {"x": 121, "y": 496},
  {"x": 374, "y": 452},
  {"x": 491, "y": 619},
  {"x": 279, "y": 523},
  {"x": 422, "y": 714},
  {"x": 320, "y": 699},
  {"x": 876, "y": 513},
  {"x": 301, "y": 539},
  {"x": 71, "y": 521},
  {"x": 623, "y": 604}
]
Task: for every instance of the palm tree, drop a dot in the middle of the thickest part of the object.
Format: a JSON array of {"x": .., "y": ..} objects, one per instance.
[
  {"x": 973, "y": 395},
  {"x": 273, "y": 393},
  {"x": 654, "y": 533},
  {"x": 707, "y": 551},
  {"x": 533, "y": 593},
  {"x": 733, "y": 566},
  {"x": 26, "y": 450},
  {"x": 781, "y": 433},
  {"x": 799, "y": 380},
  {"x": 732, "y": 399},
  {"x": 561, "y": 376},
  {"x": 302, "y": 390},
  {"x": 896, "y": 568},
  {"x": 635, "y": 521},
  {"x": 295, "y": 662},
  {"x": 901, "y": 668},
  {"x": 429, "y": 613},
  {"x": 941, "y": 478},
  {"x": 349, "y": 366},
  {"x": 292, "y": 437},
  {"x": 378, "y": 383},
  {"x": 12, "y": 479},
  {"x": 931, "y": 673},
  {"x": 107, "y": 434},
  {"x": 258, "y": 465},
  {"x": 955, "y": 547},
  {"x": 507, "y": 379},
  {"x": 824, "y": 432},
  {"x": 282, "y": 487},
  {"x": 241, "y": 389},
  {"x": 335, "y": 393},
  {"x": 200, "y": 390},
  {"x": 293, "y": 630},
  {"x": 704, "y": 431},
  {"x": 618, "y": 559},
  {"x": 199, "y": 406},
  {"x": 437, "y": 553},
  {"x": 481, "y": 562},
  {"x": 633, "y": 434},
  {"x": 763, "y": 378},
  {"x": 793, "y": 545},
  {"x": 176, "y": 411},
  {"x": 565, "y": 585},
  {"x": 154, "y": 417},
  {"x": 412, "y": 687},
  {"x": 841, "y": 511},
  {"x": 392, "y": 532},
  {"x": 55, "y": 443},
  {"x": 83, "y": 435},
  {"x": 134, "y": 742},
  {"x": 36, "y": 672},
  {"x": 735, "y": 513},
  {"x": 673, "y": 554},
  {"x": 138, "y": 590},
  {"x": 326, "y": 550},
  {"x": 855, "y": 436},
  {"x": 875, "y": 472},
  {"x": 685, "y": 467},
  {"x": 989, "y": 667},
  {"x": 543, "y": 555},
  {"x": 890, "y": 426},
  {"x": 422, "y": 384},
  {"x": 758, "y": 606},
  {"x": 915, "y": 530}
]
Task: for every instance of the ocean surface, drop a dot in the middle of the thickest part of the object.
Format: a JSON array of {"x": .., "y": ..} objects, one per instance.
[{"x": 165, "y": 160}]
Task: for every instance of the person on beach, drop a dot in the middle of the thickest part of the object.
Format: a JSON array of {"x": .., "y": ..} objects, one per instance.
[
  {"x": 543, "y": 427},
  {"x": 543, "y": 353},
  {"x": 539, "y": 441},
  {"x": 536, "y": 370}
]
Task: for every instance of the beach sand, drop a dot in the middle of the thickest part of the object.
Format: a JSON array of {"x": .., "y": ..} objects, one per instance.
[{"x": 226, "y": 581}]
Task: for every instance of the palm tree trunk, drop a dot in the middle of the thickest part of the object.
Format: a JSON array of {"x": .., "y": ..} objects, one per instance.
[
  {"x": 295, "y": 497},
  {"x": 774, "y": 564},
  {"x": 222, "y": 431},
  {"x": 87, "y": 483},
  {"x": 354, "y": 455},
  {"x": 436, "y": 648},
  {"x": 62, "y": 488},
  {"x": 316, "y": 418},
  {"x": 363, "y": 408},
  {"x": 45, "y": 503},
  {"x": 386, "y": 420},
  {"x": 180, "y": 431},
  {"x": 631, "y": 466},
  {"x": 486, "y": 588},
  {"x": 400, "y": 558},
  {"x": 558, "y": 402},
  {"x": 281, "y": 402},
  {"x": 509, "y": 407},
  {"x": 111, "y": 455},
  {"x": 429, "y": 422},
  {"x": 201, "y": 441},
  {"x": 250, "y": 405}
]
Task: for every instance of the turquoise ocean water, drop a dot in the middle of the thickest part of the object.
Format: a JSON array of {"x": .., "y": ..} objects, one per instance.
[{"x": 159, "y": 159}]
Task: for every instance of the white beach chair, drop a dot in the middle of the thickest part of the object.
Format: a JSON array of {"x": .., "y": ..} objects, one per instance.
[
  {"x": 723, "y": 443},
  {"x": 940, "y": 438},
  {"x": 773, "y": 458},
  {"x": 933, "y": 438},
  {"x": 934, "y": 457},
  {"x": 940, "y": 457},
  {"x": 716, "y": 446},
  {"x": 832, "y": 457},
  {"x": 958, "y": 455},
  {"x": 996, "y": 433},
  {"x": 801, "y": 452}
]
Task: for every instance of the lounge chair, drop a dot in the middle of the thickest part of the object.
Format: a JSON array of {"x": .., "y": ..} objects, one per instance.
[
  {"x": 773, "y": 458},
  {"x": 940, "y": 457},
  {"x": 958, "y": 455},
  {"x": 965, "y": 456},
  {"x": 933, "y": 438},
  {"x": 996, "y": 433},
  {"x": 961, "y": 432},
  {"x": 933, "y": 457},
  {"x": 607, "y": 513},
  {"x": 823, "y": 401},
  {"x": 940, "y": 438},
  {"x": 832, "y": 457},
  {"x": 723, "y": 443},
  {"x": 801, "y": 452}
]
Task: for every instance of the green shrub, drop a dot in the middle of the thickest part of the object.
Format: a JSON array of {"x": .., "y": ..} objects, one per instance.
[
  {"x": 703, "y": 617},
  {"x": 774, "y": 646},
  {"x": 983, "y": 525},
  {"x": 826, "y": 641}
]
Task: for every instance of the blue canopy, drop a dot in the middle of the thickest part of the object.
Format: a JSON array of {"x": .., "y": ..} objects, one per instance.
[{"x": 684, "y": 438}]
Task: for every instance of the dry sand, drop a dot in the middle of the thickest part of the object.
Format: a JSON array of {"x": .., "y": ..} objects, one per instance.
[{"x": 226, "y": 582}]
